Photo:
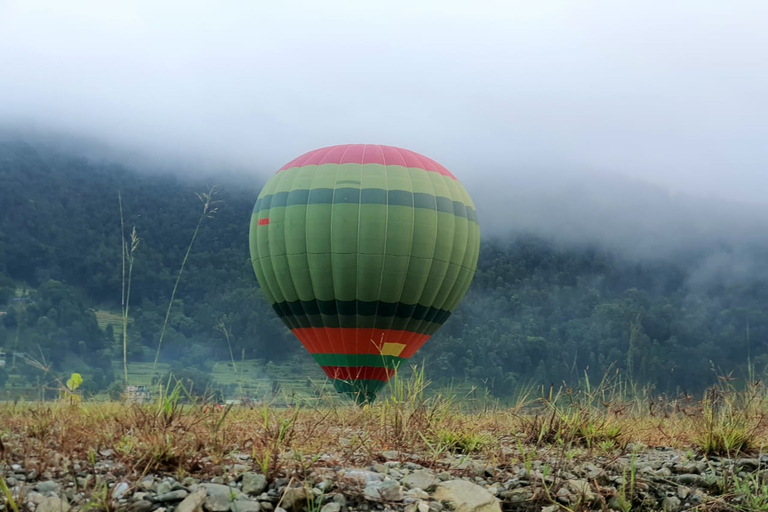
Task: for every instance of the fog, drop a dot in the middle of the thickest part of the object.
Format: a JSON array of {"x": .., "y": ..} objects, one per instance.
[{"x": 640, "y": 124}]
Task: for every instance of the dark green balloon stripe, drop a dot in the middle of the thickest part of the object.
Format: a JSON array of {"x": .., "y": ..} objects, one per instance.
[
  {"x": 365, "y": 196},
  {"x": 362, "y": 314},
  {"x": 426, "y": 322},
  {"x": 355, "y": 360}
]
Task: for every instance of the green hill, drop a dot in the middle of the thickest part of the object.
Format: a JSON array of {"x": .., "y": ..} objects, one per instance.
[{"x": 538, "y": 310}]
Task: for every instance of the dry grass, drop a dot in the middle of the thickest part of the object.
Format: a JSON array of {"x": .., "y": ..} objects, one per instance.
[{"x": 188, "y": 437}]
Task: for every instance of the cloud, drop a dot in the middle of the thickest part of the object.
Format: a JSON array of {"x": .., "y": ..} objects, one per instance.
[{"x": 668, "y": 93}]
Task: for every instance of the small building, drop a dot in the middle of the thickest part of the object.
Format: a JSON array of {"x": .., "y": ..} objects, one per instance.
[{"x": 137, "y": 395}]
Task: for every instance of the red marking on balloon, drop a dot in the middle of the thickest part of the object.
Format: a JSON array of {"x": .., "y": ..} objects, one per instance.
[
  {"x": 368, "y": 154},
  {"x": 263, "y": 222}
]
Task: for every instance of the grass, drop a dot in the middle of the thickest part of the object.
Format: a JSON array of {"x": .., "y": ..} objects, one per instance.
[{"x": 185, "y": 436}]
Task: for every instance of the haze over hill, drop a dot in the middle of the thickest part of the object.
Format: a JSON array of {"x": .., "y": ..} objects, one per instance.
[
  {"x": 553, "y": 295},
  {"x": 615, "y": 154}
]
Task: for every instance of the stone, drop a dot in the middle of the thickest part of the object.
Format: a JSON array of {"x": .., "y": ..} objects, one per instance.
[
  {"x": 691, "y": 480},
  {"x": 35, "y": 497},
  {"x": 146, "y": 483},
  {"x": 331, "y": 507},
  {"x": 582, "y": 490},
  {"x": 49, "y": 487},
  {"x": 466, "y": 496},
  {"x": 340, "y": 499},
  {"x": 421, "y": 479},
  {"x": 193, "y": 502},
  {"x": 218, "y": 497},
  {"x": 177, "y": 495},
  {"x": 671, "y": 504},
  {"x": 294, "y": 498},
  {"x": 245, "y": 506},
  {"x": 423, "y": 506},
  {"x": 53, "y": 504},
  {"x": 418, "y": 494},
  {"x": 390, "y": 490},
  {"x": 254, "y": 483},
  {"x": 139, "y": 506},
  {"x": 119, "y": 490},
  {"x": 551, "y": 508},
  {"x": 361, "y": 478},
  {"x": 164, "y": 487},
  {"x": 519, "y": 495}
]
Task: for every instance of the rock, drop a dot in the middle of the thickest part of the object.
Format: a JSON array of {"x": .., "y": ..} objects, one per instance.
[
  {"x": 119, "y": 490},
  {"x": 361, "y": 478},
  {"x": 164, "y": 487},
  {"x": 294, "y": 498},
  {"x": 35, "y": 497},
  {"x": 670, "y": 504},
  {"x": 444, "y": 475},
  {"x": 683, "y": 492},
  {"x": 331, "y": 507},
  {"x": 423, "y": 506},
  {"x": 49, "y": 487},
  {"x": 177, "y": 495},
  {"x": 582, "y": 490},
  {"x": 139, "y": 506},
  {"x": 691, "y": 480},
  {"x": 390, "y": 490},
  {"x": 519, "y": 495},
  {"x": 390, "y": 455},
  {"x": 146, "y": 483},
  {"x": 417, "y": 493},
  {"x": 551, "y": 508},
  {"x": 340, "y": 499},
  {"x": 466, "y": 496},
  {"x": 218, "y": 497},
  {"x": 254, "y": 483},
  {"x": 53, "y": 504},
  {"x": 421, "y": 479},
  {"x": 245, "y": 506},
  {"x": 747, "y": 464},
  {"x": 371, "y": 492}
]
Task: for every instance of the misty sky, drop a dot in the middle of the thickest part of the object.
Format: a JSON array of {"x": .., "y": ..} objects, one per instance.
[{"x": 673, "y": 93}]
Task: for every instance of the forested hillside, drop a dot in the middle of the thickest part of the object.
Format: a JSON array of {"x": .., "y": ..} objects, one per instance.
[{"x": 538, "y": 310}]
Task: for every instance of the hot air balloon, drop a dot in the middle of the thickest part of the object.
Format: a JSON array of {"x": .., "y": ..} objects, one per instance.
[{"x": 363, "y": 251}]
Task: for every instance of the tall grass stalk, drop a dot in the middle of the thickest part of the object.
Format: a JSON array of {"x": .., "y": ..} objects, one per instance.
[
  {"x": 209, "y": 210},
  {"x": 222, "y": 327},
  {"x": 128, "y": 250}
]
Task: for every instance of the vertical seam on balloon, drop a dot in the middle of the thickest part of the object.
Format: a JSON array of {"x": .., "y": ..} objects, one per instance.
[
  {"x": 269, "y": 270},
  {"x": 384, "y": 257},
  {"x": 333, "y": 205},
  {"x": 357, "y": 259},
  {"x": 419, "y": 326},
  {"x": 312, "y": 338},
  {"x": 451, "y": 262},
  {"x": 413, "y": 230},
  {"x": 319, "y": 337},
  {"x": 289, "y": 181}
]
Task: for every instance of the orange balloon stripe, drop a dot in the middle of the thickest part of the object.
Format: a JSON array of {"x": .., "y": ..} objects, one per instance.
[
  {"x": 343, "y": 340},
  {"x": 358, "y": 373}
]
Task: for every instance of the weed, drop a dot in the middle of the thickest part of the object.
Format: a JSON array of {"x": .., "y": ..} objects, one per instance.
[{"x": 7, "y": 496}]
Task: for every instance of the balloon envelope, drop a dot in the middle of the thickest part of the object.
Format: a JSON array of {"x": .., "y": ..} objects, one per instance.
[{"x": 363, "y": 251}]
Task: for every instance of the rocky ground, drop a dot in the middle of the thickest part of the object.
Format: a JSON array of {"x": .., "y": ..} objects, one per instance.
[{"x": 638, "y": 478}]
